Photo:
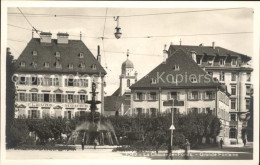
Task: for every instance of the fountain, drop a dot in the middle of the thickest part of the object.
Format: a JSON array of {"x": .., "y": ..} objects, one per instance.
[{"x": 93, "y": 128}]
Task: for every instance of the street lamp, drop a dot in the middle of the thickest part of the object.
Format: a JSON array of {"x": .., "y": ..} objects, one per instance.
[
  {"x": 117, "y": 29},
  {"x": 172, "y": 126}
]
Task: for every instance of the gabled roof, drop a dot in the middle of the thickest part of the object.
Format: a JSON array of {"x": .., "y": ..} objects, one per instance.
[
  {"x": 117, "y": 92},
  {"x": 187, "y": 67},
  {"x": 69, "y": 54},
  {"x": 208, "y": 50},
  {"x": 113, "y": 103}
]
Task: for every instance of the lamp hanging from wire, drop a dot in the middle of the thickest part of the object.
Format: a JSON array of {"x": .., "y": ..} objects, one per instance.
[{"x": 117, "y": 33}]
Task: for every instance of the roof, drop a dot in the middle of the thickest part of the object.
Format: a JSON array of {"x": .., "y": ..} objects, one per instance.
[
  {"x": 127, "y": 64},
  {"x": 113, "y": 103},
  {"x": 165, "y": 71},
  {"x": 69, "y": 54},
  {"x": 45, "y": 33},
  {"x": 208, "y": 50},
  {"x": 62, "y": 34},
  {"x": 117, "y": 92}
]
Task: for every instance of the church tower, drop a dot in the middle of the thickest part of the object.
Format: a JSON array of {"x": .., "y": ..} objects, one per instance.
[{"x": 128, "y": 76}]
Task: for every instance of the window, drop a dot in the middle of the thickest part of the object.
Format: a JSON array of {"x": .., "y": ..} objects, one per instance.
[
  {"x": 221, "y": 76},
  {"x": 210, "y": 60},
  {"x": 175, "y": 111},
  {"x": 194, "y": 95},
  {"x": 139, "y": 111},
  {"x": 221, "y": 61},
  {"x": 247, "y": 104},
  {"x": 209, "y": 95},
  {"x": 176, "y": 67},
  {"x": 58, "y": 98},
  {"x": 152, "y": 112},
  {"x": 46, "y": 81},
  {"x": 34, "y": 53},
  {"x": 70, "y": 66},
  {"x": 58, "y": 65},
  {"x": 34, "y": 64},
  {"x": 198, "y": 60},
  {"x": 34, "y": 80},
  {"x": 208, "y": 111},
  {"x": 193, "y": 110},
  {"x": 34, "y": 97},
  {"x": 46, "y": 97},
  {"x": 232, "y": 133},
  {"x": 83, "y": 82},
  {"x": 82, "y": 98},
  {"x": 174, "y": 96},
  {"x": 233, "y": 90},
  {"x": 67, "y": 115},
  {"x": 22, "y": 80},
  {"x": 22, "y": 64},
  {"x": 22, "y": 96},
  {"x": 57, "y": 54},
  {"x": 193, "y": 79},
  {"x": 70, "y": 98},
  {"x": 248, "y": 90},
  {"x": 128, "y": 82},
  {"x": 139, "y": 96},
  {"x": 81, "y": 65},
  {"x": 248, "y": 76},
  {"x": 70, "y": 82},
  {"x": 46, "y": 65},
  {"x": 233, "y": 117},
  {"x": 56, "y": 81},
  {"x": 233, "y": 76},
  {"x": 35, "y": 114},
  {"x": 233, "y": 104},
  {"x": 233, "y": 61},
  {"x": 154, "y": 81},
  {"x": 152, "y": 96},
  {"x": 93, "y": 66},
  {"x": 81, "y": 55}
]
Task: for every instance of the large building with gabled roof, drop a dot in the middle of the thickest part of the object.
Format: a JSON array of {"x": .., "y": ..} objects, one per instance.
[
  {"x": 180, "y": 86},
  {"x": 232, "y": 69},
  {"x": 54, "y": 78}
]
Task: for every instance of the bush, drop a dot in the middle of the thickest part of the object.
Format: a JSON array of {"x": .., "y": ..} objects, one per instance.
[{"x": 45, "y": 147}]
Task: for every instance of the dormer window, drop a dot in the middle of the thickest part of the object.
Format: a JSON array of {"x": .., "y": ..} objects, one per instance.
[
  {"x": 22, "y": 64},
  {"x": 34, "y": 53},
  {"x": 81, "y": 55},
  {"x": 193, "y": 79},
  {"x": 210, "y": 60},
  {"x": 46, "y": 65},
  {"x": 154, "y": 81},
  {"x": 176, "y": 67},
  {"x": 233, "y": 61},
  {"x": 70, "y": 66},
  {"x": 81, "y": 65},
  {"x": 34, "y": 64},
  {"x": 58, "y": 65},
  {"x": 57, "y": 54},
  {"x": 93, "y": 66},
  {"x": 222, "y": 61}
]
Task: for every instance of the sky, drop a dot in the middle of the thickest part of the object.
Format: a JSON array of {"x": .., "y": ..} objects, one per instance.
[{"x": 145, "y": 53}]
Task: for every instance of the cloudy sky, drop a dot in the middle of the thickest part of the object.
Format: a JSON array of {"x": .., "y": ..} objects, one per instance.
[{"x": 145, "y": 53}]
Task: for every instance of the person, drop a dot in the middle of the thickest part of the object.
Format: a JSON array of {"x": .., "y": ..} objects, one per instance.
[
  {"x": 187, "y": 148},
  {"x": 244, "y": 141},
  {"x": 82, "y": 144},
  {"x": 221, "y": 143},
  {"x": 95, "y": 143},
  {"x": 169, "y": 154}
]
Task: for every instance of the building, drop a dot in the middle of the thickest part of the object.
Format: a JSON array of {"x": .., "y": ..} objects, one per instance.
[
  {"x": 233, "y": 70},
  {"x": 119, "y": 101},
  {"x": 192, "y": 90},
  {"x": 54, "y": 76}
]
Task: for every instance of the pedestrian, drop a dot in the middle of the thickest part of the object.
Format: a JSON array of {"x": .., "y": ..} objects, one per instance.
[
  {"x": 244, "y": 141},
  {"x": 221, "y": 143},
  {"x": 169, "y": 154},
  {"x": 95, "y": 143},
  {"x": 82, "y": 144},
  {"x": 187, "y": 148}
]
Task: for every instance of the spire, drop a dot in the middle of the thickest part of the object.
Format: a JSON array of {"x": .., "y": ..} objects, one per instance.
[
  {"x": 32, "y": 33},
  {"x": 80, "y": 35},
  {"x": 127, "y": 55},
  {"x": 180, "y": 41}
]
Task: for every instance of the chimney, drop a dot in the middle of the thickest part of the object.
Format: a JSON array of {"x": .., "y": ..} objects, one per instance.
[
  {"x": 45, "y": 37},
  {"x": 193, "y": 55},
  {"x": 98, "y": 54},
  {"x": 62, "y": 38},
  {"x": 165, "y": 54},
  {"x": 213, "y": 45}
]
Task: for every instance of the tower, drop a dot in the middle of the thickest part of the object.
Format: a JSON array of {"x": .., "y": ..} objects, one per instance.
[{"x": 128, "y": 76}]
